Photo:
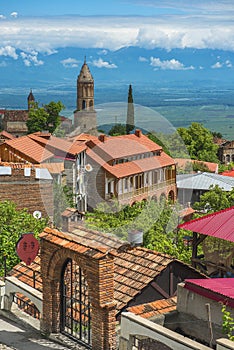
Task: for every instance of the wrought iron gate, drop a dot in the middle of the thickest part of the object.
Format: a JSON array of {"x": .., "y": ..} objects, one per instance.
[{"x": 75, "y": 304}]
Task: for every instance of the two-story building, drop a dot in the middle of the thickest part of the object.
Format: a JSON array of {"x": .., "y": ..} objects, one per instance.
[{"x": 129, "y": 168}]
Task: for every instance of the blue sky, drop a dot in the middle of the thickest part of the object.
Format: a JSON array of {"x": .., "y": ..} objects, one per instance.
[
  {"x": 31, "y": 29},
  {"x": 85, "y": 8}
]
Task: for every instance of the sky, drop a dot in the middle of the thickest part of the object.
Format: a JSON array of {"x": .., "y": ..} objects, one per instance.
[{"x": 29, "y": 28}]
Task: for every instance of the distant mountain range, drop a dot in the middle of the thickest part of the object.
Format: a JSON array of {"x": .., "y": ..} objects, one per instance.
[
  {"x": 158, "y": 76},
  {"x": 130, "y": 64}
]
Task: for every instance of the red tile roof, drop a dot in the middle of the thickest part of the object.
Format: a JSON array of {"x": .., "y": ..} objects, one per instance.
[
  {"x": 134, "y": 167},
  {"x": 54, "y": 168},
  {"x": 7, "y": 135},
  {"x": 29, "y": 148},
  {"x": 219, "y": 224},
  {"x": 154, "y": 308},
  {"x": 219, "y": 289},
  {"x": 135, "y": 268},
  {"x": 228, "y": 173},
  {"x": 58, "y": 143},
  {"x": 181, "y": 163},
  {"x": 16, "y": 115},
  {"x": 123, "y": 146},
  {"x": 18, "y": 165}
]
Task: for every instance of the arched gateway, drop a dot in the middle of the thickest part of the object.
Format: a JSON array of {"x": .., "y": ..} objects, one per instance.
[
  {"x": 78, "y": 290},
  {"x": 75, "y": 321}
]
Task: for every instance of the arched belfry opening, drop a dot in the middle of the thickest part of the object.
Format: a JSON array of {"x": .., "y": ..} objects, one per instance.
[
  {"x": 85, "y": 114},
  {"x": 78, "y": 293}
]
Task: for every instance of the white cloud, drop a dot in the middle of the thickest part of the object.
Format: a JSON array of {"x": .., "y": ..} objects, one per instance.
[
  {"x": 143, "y": 59},
  {"x": 102, "y": 52},
  {"x": 114, "y": 32},
  {"x": 228, "y": 64},
  {"x": 8, "y": 51},
  {"x": 2, "y": 17},
  {"x": 103, "y": 64},
  {"x": 172, "y": 64},
  {"x": 30, "y": 59},
  {"x": 14, "y": 14},
  {"x": 70, "y": 63},
  {"x": 217, "y": 65}
]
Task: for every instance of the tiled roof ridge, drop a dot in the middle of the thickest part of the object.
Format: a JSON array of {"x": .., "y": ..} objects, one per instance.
[
  {"x": 55, "y": 232},
  {"x": 19, "y": 165},
  {"x": 153, "y": 308}
]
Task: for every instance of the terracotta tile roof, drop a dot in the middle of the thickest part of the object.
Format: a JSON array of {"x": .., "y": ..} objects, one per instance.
[
  {"x": 154, "y": 308},
  {"x": 56, "y": 143},
  {"x": 134, "y": 167},
  {"x": 29, "y": 148},
  {"x": 123, "y": 146},
  {"x": 228, "y": 173},
  {"x": 6, "y": 135},
  {"x": 18, "y": 165},
  {"x": 54, "y": 168},
  {"x": 135, "y": 268},
  {"x": 82, "y": 137},
  {"x": 186, "y": 211},
  {"x": 68, "y": 212},
  {"x": 181, "y": 163},
  {"x": 16, "y": 115},
  {"x": 27, "y": 273}
]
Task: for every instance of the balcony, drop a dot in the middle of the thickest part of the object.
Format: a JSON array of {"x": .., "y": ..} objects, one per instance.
[{"x": 148, "y": 190}]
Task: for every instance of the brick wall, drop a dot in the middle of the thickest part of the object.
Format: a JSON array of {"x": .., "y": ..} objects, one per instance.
[
  {"x": 99, "y": 274},
  {"x": 27, "y": 192}
]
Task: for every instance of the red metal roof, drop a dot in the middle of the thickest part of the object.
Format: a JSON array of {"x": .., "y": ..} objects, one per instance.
[
  {"x": 219, "y": 224},
  {"x": 219, "y": 289}
]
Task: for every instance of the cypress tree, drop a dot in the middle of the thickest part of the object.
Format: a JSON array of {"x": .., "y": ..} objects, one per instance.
[{"x": 130, "y": 112}]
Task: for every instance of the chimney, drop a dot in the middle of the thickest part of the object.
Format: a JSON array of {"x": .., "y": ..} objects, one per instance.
[
  {"x": 138, "y": 132},
  {"x": 102, "y": 137}
]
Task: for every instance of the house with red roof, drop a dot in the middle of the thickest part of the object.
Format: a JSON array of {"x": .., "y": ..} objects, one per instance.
[
  {"x": 129, "y": 168},
  {"x": 192, "y": 320}
]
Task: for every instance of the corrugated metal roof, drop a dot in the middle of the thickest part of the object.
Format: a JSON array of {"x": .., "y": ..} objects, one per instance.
[
  {"x": 219, "y": 224},
  {"x": 219, "y": 289},
  {"x": 203, "y": 181}
]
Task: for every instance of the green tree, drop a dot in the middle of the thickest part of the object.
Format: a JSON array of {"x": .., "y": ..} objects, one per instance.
[
  {"x": 199, "y": 142},
  {"x": 45, "y": 117},
  {"x": 200, "y": 167},
  {"x": 214, "y": 200},
  {"x": 117, "y": 129},
  {"x": 130, "y": 123},
  {"x": 13, "y": 223},
  {"x": 228, "y": 323},
  {"x": 158, "y": 221}
]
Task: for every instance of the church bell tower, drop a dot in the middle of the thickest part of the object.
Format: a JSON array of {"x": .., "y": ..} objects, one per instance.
[{"x": 85, "y": 115}]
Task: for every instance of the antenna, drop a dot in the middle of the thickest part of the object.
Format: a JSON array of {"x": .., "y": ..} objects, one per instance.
[{"x": 37, "y": 214}]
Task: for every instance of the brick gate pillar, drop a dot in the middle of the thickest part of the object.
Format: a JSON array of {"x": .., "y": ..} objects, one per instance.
[{"x": 101, "y": 277}]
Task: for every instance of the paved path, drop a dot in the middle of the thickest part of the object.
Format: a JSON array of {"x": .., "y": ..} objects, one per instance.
[{"x": 17, "y": 337}]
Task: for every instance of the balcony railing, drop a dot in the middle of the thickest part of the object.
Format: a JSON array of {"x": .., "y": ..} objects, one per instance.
[{"x": 149, "y": 190}]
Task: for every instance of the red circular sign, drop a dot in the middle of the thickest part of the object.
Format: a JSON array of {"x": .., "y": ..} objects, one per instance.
[{"x": 27, "y": 248}]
